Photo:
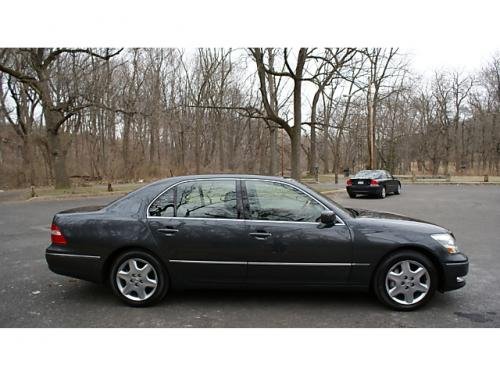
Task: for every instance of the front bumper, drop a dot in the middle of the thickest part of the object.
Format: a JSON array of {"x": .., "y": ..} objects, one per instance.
[
  {"x": 80, "y": 266},
  {"x": 454, "y": 275}
]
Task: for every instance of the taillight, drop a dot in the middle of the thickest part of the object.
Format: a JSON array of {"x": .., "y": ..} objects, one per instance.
[
  {"x": 56, "y": 236},
  {"x": 349, "y": 182},
  {"x": 374, "y": 182}
]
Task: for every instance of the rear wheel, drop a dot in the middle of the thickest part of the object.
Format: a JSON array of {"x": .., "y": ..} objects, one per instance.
[
  {"x": 398, "y": 190},
  {"x": 352, "y": 195},
  {"x": 405, "y": 281},
  {"x": 138, "y": 278},
  {"x": 382, "y": 193}
]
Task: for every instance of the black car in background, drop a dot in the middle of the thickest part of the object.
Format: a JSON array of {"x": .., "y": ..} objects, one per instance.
[
  {"x": 376, "y": 183},
  {"x": 245, "y": 231}
]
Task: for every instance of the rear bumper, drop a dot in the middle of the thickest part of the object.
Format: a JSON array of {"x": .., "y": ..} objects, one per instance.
[
  {"x": 80, "y": 266},
  {"x": 454, "y": 275},
  {"x": 364, "y": 189}
]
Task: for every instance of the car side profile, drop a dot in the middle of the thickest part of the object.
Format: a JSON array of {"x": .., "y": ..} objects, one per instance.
[
  {"x": 376, "y": 183},
  {"x": 246, "y": 231}
]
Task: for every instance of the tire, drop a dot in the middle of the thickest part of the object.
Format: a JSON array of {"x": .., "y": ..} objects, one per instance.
[
  {"x": 383, "y": 193},
  {"x": 134, "y": 287},
  {"x": 352, "y": 195},
  {"x": 392, "y": 277},
  {"x": 398, "y": 190}
]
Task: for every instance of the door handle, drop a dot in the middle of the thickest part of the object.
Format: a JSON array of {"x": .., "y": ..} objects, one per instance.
[
  {"x": 260, "y": 235},
  {"x": 169, "y": 232}
]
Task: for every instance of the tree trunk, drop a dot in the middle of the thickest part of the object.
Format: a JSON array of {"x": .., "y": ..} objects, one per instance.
[
  {"x": 273, "y": 151},
  {"x": 313, "y": 158},
  {"x": 220, "y": 136},
  {"x": 58, "y": 156},
  {"x": 295, "y": 133},
  {"x": 125, "y": 142},
  {"x": 28, "y": 167},
  {"x": 197, "y": 143},
  {"x": 371, "y": 129},
  {"x": 56, "y": 151},
  {"x": 295, "y": 157}
]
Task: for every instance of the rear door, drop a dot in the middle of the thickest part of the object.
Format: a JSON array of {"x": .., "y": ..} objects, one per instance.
[
  {"x": 288, "y": 244},
  {"x": 198, "y": 224},
  {"x": 391, "y": 183}
]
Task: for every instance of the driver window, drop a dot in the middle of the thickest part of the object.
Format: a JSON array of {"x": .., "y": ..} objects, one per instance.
[{"x": 279, "y": 202}]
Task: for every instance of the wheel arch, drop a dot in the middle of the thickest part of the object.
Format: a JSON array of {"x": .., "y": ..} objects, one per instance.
[
  {"x": 108, "y": 263},
  {"x": 420, "y": 249}
]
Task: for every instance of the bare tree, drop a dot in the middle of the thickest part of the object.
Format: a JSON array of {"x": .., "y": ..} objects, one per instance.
[
  {"x": 379, "y": 60},
  {"x": 42, "y": 70}
]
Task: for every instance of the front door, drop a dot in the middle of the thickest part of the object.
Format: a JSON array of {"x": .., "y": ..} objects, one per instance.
[
  {"x": 199, "y": 225},
  {"x": 288, "y": 244}
]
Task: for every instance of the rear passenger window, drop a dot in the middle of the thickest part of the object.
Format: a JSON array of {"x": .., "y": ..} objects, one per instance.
[
  {"x": 163, "y": 205},
  {"x": 198, "y": 199}
]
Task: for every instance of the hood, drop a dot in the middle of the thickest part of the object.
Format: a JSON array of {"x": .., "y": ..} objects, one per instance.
[
  {"x": 386, "y": 215},
  {"x": 391, "y": 220}
]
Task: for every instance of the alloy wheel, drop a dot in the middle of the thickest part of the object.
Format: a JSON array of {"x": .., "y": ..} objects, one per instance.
[
  {"x": 407, "y": 282},
  {"x": 136, "y": 279}
]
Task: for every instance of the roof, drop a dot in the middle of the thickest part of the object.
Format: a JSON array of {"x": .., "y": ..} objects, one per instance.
[{"x": 217, "y": 175}]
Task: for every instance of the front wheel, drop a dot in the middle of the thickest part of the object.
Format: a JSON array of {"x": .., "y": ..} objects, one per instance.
[
  {"x": 138, "y": 278},
  {"x": 405, "y": 280},
  {"x": 398, "y": 190}
]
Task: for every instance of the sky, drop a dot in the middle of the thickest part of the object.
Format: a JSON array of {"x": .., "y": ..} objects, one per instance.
[{"x": 427, "y": 59}]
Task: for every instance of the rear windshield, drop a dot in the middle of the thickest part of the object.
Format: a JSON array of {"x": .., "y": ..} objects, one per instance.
[{"x": 370, "y": 174}]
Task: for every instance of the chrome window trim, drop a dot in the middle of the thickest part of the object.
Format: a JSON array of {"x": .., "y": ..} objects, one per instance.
[
  {"x": 75, "y": 255},
  {"x": 341, "y": 222}
]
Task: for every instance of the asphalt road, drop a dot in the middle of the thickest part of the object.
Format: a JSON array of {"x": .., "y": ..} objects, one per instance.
[{"x": 32, "y": 296}]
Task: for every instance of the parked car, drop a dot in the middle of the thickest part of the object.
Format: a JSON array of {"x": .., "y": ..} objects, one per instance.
[
  {"x": 245, "y": 231},
  {"x": 377, "y": 183}
]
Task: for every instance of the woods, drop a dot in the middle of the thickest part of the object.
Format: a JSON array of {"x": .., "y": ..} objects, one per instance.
[{"x": 123, "y": 115}]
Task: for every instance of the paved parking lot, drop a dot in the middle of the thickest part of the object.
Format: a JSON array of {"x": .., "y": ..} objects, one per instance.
[{"x": 32, "y": 296}]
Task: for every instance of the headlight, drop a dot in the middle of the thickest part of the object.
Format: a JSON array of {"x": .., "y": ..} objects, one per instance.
[{"x": 447, "y": 241}]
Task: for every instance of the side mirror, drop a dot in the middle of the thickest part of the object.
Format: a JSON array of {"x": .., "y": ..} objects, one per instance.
[{"x": 328, "y": 217}]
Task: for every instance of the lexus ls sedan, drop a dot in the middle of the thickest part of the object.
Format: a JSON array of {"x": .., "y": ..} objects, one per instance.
[
  {"x": 376, "y": 183},
  {"x": 246, "y": 231}
]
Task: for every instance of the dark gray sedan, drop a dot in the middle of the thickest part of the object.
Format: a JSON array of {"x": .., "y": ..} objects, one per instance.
[
  {"x": 376, "y": 183},
  {"x": 245, "y": 231}
]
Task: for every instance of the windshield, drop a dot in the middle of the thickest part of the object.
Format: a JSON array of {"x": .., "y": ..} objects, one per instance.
[
  {"x": 370, "y": 174},
  {"x": 347, "y": 211}
]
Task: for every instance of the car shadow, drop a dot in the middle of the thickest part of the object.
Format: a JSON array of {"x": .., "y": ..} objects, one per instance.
[
  {"x": 261, "y": 308},
  {"x": 374, "y": 197},
  {"x": 268, "y": 298},
  {"x": 102, "y": 294}
]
